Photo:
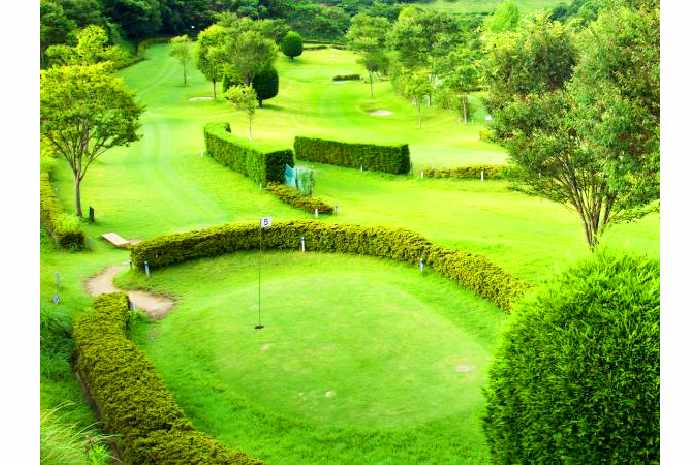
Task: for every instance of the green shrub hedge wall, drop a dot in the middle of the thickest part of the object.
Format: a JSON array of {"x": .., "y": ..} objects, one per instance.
[
  {"x": 63, "y": 228},
  {"x": 387, "y": 159},
  {"x": 131, "y": 398},
  {"x": 576, "y": 379},
  {"x": 239, "y": 155},
  {"x": 473, "y": 172},
  {"x": 292, "y": 197},
  {"x": 471, "y": 271},
  {"x": 346, "y": 77}
]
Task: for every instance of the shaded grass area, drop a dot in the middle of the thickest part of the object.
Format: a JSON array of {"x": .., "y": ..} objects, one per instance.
[{"x": 362, "y": 360}]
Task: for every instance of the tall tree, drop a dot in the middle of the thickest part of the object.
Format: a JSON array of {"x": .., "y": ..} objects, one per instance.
[
  {"x": 138, "y": 18},
  {"x": 585, "y": 136},
  {"x": 249, "y": 53},
  {"x": 367, "y": 35},
  {"x": 244, "y": 99},
  {"x": 92, "y": 47},
  {"x": 85, "y": 111},
  {"x": 211, "y": 54},
  {"x": 55, "y": 26},
  {"x": 266, "y": 84},
  {"x": 417, "y": 87},
  {"x": 181, "y": 50},
  {"x": 460, "y": 74}
]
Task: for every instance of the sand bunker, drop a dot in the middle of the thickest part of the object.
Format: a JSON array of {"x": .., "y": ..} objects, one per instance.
[
  {"x": 200, "y": 99},
  {"x": 464, "y": 368},
  {"x": 381, "y": 113}
]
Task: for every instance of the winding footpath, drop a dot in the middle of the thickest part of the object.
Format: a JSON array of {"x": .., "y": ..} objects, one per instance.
[{"x": 155, "y": 306}]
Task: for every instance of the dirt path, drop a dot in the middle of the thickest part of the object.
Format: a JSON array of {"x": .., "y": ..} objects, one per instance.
[{"x": 155, "y": 306}]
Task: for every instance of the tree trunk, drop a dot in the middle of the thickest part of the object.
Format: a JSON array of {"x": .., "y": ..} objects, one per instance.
[
  {"x": 78, "y": 209},
  {"x": 371, "y": 84},
  {"x": 214, "y": 89},
  {"x": 184, "y": 69},
  {"x": 419, "y": 115},
  {"x": 250, "y": 128},
  {"x": 465, "y": 108}
]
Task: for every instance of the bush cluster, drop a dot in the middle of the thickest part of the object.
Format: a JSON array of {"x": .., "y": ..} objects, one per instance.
[
  {"x": 473, "y": 172},
  {"x": 471, "y": 271},
  {"x": 131, "y": 398},
  {"x": 63, "y": 228},
  {"x": 486, "y": 135},
  {"x": 346, "y": 77},
  {"x": 242, "y": 157},
  {"x": 292, "y": 197},
  {"x": 384, "y": 158},
  {"x": 576, "y": 379}
]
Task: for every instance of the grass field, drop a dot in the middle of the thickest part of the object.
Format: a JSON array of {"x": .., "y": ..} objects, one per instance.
[
  {"x": 162, "y": 185},
  {"x": 354, "y": 348}
]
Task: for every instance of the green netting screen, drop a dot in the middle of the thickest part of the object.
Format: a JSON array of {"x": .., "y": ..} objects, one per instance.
[{"x": 301, "y": 178}]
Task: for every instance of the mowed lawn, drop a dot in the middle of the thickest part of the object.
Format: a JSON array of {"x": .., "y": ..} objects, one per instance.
[{"x": 362, "y": 360}]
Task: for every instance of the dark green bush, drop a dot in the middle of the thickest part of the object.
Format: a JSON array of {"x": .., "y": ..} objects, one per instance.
[
  {"x": 64, "y": 229},
  {"x": 266, "y": 84},
  {"x": 473, "y": 172},
  {"x": 394, "y": 159},
  {"x": 292, "y": 197},
  {"x": 292, "y": 45},
  {"x": 576, "y": 380},
  {"x": 131, "y": 398},
  {"x": 346, "y": 77},
  {"x": 242, "y": 157},
  {"x": 471, "y": 271}
]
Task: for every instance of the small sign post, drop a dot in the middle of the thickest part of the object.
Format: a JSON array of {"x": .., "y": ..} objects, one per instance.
[
  {"x": 265, "y": 222},
  {"x": 147, "y": 269},
  {"x": 303, "y": 244},
  {"x": 56, "y": 298},
  {"x": 482, "y": 175},
  {"x": 421, "y": 265},
  {"x": 316, "y": 213}
]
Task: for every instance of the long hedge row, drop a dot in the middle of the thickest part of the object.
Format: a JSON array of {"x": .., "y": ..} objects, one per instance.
[
  {"x": 63, "y": 228},
  {"x": 473, "y": 172},
  {"x": 292, "y": 197},
  {"x": 131, "y": 398},
  {"x": 474, "y": 272},
  {"x": 239, "y": 155},
  {"x": 394, "y": 159}
]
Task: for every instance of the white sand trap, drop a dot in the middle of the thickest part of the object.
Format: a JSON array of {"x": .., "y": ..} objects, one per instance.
[
  {"x": 265, "y": 348},
  {"x": 464, "y": 369},
  {"x": 330, "y": 394},
  {"x": 382, "y": 113},
  {"x": 200, "y": 99}
]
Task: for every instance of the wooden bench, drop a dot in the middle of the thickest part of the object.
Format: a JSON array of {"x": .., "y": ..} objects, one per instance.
[{"x": 117, "y": 241}]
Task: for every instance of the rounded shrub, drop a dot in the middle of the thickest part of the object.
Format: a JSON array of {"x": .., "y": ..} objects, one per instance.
[
  {"x": 576, "y": 379},
  {"x": 266, "y": 84},
  {"x": 292, "y": 45}
]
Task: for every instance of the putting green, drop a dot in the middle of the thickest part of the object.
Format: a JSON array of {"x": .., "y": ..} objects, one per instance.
[{"x": 350, "y": 343}]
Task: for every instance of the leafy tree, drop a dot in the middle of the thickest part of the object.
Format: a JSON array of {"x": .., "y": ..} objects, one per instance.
[
  {"x": 211, "y": 53},
  {"x": 317, "y": 21},
  {"x": 55, "y": 26},
  {"x": 85, "y": 111},
  {"x": 266, "y": 84},
  {"x": 375, "y": 62},
  {"x": 248, "y": 54},
  {"x": 275, "y": 29},
  {"x": 461, "y": 75},
  {"x": 367, "y": 35},
  {"x": 505, "y": 18},
  {"x": 586, "y": 137},
  {"x": 292, "y": 45},
  {"x": 84, "y": 12},
  {"x": 416, "y": 87},
  {"x": 92, "y": 47},
  {"x": 244, "y": 99},
  {"x": 138, "y": 18},
  {"x": 181, "y": 50}
]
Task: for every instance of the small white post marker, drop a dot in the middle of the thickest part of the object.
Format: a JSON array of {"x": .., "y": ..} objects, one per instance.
[
  {"x": 303, "y": 244},
  {"x": 482, "y": 175}
]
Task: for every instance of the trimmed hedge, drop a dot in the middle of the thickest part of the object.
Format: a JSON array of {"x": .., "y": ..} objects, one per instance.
[
  {"x": 131, "y": 398},
  {"x": 576, "y": 378},
  {"x": 292, "y": 197},
  {"x": 473, "y": 172},
  {"x": 471, "y": 271},
  {"x": 390, "y": 159},
  {"x": 243, "y": 158},
  {"x": 63, "y": 228},
  {"x": 346, "y": 77}
]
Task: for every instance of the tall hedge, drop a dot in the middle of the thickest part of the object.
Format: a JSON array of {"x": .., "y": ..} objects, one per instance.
[
  {"x": 394, "y": 159},
  {"x": 242, "y": 157},
  {"x": 471, "y": 271},
  {"x": 63, "y": 228},
  {"x": 131, "y": 398},
  {"x": 576, "y": 380}
]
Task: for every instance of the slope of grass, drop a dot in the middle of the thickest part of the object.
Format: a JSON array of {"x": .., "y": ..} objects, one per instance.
[{"x": 361, "y": 360}]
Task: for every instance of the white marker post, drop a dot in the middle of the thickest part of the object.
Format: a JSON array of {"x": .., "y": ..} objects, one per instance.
[
  {"x": 482, "y": 175},
  {"x": 265, "y": 222},
  {"x": 303, "y": 244},
  {"x": 316, "y": 212}
]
